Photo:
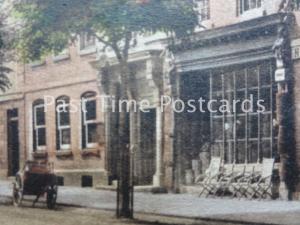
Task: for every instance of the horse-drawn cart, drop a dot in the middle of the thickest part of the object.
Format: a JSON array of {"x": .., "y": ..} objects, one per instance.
[{"x": 36, "y": 179}]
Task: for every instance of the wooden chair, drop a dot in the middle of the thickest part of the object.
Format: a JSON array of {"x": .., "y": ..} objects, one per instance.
[
  {"x": 262, "y": 188},
  {"x": 211, "y": 176},
  {"x": 239, "y": 187},
  {"x": 226, "y": 177},
  {"x": 231, "y": 181}
]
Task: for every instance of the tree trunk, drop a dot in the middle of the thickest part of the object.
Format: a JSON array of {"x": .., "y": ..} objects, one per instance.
[{"x": 125, "y": 184}]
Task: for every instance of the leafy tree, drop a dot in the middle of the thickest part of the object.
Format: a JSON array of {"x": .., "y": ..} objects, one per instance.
[
  {"x": 4, "y": 81},
  {"x": 50, "y": 25}
]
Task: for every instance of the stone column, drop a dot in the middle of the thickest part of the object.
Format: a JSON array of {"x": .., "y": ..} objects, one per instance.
[{"x": 157, "y": 179}]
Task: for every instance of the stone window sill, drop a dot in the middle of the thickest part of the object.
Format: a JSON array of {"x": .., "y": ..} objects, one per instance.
[
  {"x": 87, "y": 51},
  {"x": 61, "y": 57},
  {"x": 64, "y": 153},
  {"x": 37, "y": 64},
  {"x": 90, "y": 152},
  {"x": 40, "y": 154},
  {"x": 252, "y": 13}
]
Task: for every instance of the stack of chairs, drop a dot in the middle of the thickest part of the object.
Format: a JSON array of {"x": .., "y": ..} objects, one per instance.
[
  {"x": 211, "y": 177},
  {"x": 240, "y": 180}
]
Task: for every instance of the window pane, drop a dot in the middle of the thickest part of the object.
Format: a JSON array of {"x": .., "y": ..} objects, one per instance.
[
  {"x": 40, "y": 116},
  {"x": 265, "y": 74},
  {"x": 229, "y": 81},
  {"x": 240, "y": 96},
  {"x": 65, "y": 136},
  {"x": 64, "y": 117},
  {"x": 258, "y": 3},
  {"x": 252, "y": 152},
  {"x": 252, "y": 94},
  {"x": 266, "y": 125},
  {"x": 240, "y": 127},
  {"x": 87, "y": 40},
  {"x": 265, "y": 95},
  {"x": 203, "y": 8},
  {"x": 240, "y": 79},
  {"x": 246, "y": 5},
  {"x": 217, "y": 82},
  {"x": 253, "y": 4},
  {"x": 218, "y": 128},
  {"x": 266, "y": 149},
  {"x": 216, "y": 105},
  {"x": 90, "y": 107},
  {"x": 41, "y": 135},
  {"x": 229, "y": 96},
  {"x": 216, "y": 149},
  {"x": 252, "y": 77},
  {"x": 229, "y": 157},
  {"x": 92, "y": 133},
  {"x": 241, "y": 152},
  {"x": 12, "y": 113},
  {"x": 229, "y": 127},
  {"x": 274, "y": 92},
  {"x": 253, "y": 126}
]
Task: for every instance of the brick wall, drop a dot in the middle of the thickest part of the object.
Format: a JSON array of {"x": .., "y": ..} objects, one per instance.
[
  {"x": 3, "y": 134},
  {"x": 72, "y": 77}
]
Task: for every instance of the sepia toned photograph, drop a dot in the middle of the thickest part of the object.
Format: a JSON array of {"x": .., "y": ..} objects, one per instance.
[{"x": 150, "y": 112}]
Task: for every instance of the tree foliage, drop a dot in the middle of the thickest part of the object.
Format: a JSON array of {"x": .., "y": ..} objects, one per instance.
[
  {"x": 50, "y": 25},
  {"x": 4, "y": 71}
]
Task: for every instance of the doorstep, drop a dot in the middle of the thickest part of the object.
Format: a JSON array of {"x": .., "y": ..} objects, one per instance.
[
  {"x": 144, "y": 189},
  {"x": 11, "y": 179},
  {"x": 190, "y": 189}
]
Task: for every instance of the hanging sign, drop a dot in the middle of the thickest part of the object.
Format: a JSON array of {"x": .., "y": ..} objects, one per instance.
[
  {"x": 295, "y": 49},
  {"x": 280, "y": 75}
]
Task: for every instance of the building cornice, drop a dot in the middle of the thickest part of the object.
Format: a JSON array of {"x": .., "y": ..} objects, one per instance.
[{"x": 262, "y": 26}]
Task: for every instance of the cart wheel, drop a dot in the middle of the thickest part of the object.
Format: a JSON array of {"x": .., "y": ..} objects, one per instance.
[
  {"x": 51, "y": 197},
  {"x": 17, "y": 193}
]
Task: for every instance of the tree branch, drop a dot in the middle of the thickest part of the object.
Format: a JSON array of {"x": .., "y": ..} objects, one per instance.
[
  {"x": 128, "y": 37},
  {"x": 101, "y": 39},
  {"x": 111, "y": 44},
  {"x": 118, "y": 53}
]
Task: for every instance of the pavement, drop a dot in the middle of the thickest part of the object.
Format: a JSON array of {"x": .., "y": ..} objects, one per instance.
[
  {"x": 186, "y": 206},
  {"x": 62, "y": 215}
]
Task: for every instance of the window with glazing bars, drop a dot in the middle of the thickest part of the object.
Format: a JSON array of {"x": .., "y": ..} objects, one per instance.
[
  {"x": 203, "y": 7},
  {"x": 89, "y": 120},
  {"x": 246, "y": 5},
  {"x": 244, "y": 136},
  {"x": 39, "y": 125},
  {"x": 63, "y": 128}
]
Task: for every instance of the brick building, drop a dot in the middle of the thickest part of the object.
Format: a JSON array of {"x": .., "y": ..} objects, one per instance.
[
  {"x": 31, "y": 127},
  {"x": 234, "y": 57}
]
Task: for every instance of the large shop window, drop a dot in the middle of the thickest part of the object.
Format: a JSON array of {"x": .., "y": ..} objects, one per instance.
[
  {"x": 244, "y": 136},
  {"x": 203, "y": 9},
  {"x": 89, "y": 120},
  {"x": 246, "y": 5},
  {"x": 63, "y": 128},
  {"x": 39, "y": 125}
]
